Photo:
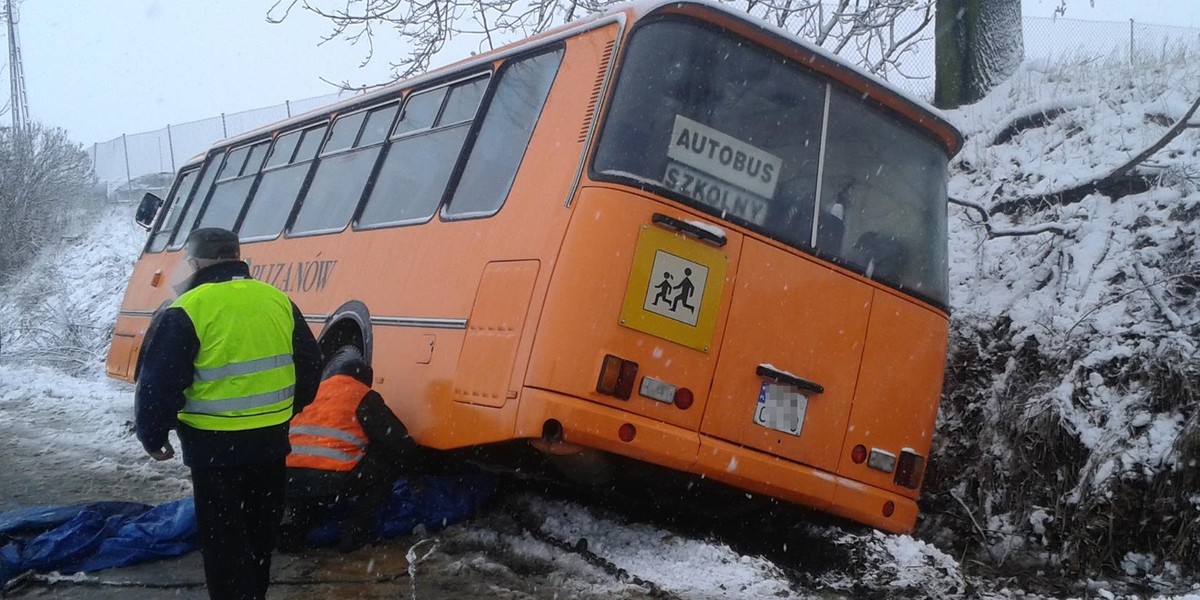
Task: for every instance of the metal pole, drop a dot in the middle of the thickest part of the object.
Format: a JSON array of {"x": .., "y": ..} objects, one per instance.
[
  {"x": 224, "y": 132},
  {"x": 19, "y": 104},
  {"x": 15, "y": 94},
  {"x": 171, "y": 147},
  {"x": 1131, "y": 41},
  {"x": 288, "y": 104},
  {"x": 125, "y": 144}
]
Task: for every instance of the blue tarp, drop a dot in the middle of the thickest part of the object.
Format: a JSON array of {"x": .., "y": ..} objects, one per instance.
[
  {"x": 101, "y": 535},
  {"x": 93, "y": 536}
]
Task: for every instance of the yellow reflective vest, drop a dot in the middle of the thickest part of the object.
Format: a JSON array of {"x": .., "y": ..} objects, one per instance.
[{"x": 244, "y": 375}]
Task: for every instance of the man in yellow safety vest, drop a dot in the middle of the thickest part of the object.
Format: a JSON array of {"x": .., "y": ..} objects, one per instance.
[{"x": 227, "y": 365}]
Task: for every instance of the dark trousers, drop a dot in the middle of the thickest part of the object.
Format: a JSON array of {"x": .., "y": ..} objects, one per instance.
[
  {"x": 311, "y": 492},
  {"x": 238, "y": 510}
]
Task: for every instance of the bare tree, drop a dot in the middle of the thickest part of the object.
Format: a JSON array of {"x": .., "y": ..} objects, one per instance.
[
  {"x": 42, "y": 172},
  {"x": 875, "y": 34}
]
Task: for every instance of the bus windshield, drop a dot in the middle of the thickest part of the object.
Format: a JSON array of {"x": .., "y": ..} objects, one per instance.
[{"x": 751, "y": 137}]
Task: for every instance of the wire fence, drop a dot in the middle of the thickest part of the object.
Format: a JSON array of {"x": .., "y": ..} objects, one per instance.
[
  {"x": 131, "y": 164},
  {"x": 123, "y": 163}
]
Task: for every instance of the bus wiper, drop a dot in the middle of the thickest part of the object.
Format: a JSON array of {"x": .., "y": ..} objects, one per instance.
[
  {"x": 770, "y": 372},
  {"x": 686, "y": 228}
]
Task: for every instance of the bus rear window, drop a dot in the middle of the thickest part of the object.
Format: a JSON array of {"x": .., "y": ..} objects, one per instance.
[
  {"x": 883, "y": 199},
  {"x": 738, "y": 131}
]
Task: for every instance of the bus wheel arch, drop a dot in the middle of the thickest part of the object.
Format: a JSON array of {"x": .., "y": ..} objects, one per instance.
[{"x": 349, "y": 325}]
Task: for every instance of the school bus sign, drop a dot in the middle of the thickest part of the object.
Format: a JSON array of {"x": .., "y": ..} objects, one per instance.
[
  {"x": 674, "y": 288},
  {"x": 721, "y": 170}
]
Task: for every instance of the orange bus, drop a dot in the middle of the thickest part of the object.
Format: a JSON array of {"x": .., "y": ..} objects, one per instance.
[{"x": 665, "y": 235}]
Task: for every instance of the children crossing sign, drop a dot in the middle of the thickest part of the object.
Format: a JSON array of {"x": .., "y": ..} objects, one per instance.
[{"x": 674, "y": 288}]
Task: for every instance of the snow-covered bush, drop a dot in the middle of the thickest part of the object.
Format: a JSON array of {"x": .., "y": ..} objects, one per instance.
[
  {"x": 60, "y": 309},
  {"x": 1069, "y": 429},
  {"x": 43, "y": 176}
]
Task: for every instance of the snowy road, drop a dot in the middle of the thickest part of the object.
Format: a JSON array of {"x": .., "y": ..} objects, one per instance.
[{"x": 66, "y": 440}]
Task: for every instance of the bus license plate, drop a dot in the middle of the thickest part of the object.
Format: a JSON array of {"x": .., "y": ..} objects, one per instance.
[{"x": 781, "y": 407}]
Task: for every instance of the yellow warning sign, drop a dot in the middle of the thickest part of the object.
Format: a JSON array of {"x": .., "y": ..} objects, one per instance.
[{"x": 674, "y": 288}]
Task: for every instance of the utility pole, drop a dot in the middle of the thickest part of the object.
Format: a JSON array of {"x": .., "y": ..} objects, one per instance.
[{"x": 16, "y": 70}]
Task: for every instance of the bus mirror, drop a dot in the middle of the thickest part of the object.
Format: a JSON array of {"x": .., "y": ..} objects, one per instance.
[{"x": 147, "y": 209}]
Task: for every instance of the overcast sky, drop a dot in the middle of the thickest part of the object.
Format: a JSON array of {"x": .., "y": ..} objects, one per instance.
[{"x": 100, "y": 68}]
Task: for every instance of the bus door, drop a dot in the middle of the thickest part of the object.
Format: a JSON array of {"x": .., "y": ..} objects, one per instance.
[{"x": 785, "y": 378}]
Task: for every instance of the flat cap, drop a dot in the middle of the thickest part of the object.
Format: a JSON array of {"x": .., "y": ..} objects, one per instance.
[{"x": 213, "y": 243}]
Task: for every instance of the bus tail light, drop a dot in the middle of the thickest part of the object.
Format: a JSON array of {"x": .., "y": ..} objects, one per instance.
[
  {"x": 684, "y": 398},
  {"x": 617, "y": 376},
  {"x": 627, "y": 432},
  {"x": 858, "y": 454},
  {"x": 909, "y": 469},
  {"x": 889, "y": 508}
]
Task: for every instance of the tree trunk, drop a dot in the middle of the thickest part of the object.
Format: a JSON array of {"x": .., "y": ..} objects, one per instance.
[{"x": 979, "y": 44}]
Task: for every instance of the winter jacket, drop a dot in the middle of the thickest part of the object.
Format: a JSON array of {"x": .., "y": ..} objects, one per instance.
[{"x": 168, "y": 369}]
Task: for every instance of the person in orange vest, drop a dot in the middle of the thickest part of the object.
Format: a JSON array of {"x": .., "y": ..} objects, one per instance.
[{"x": 346, "y": 444}]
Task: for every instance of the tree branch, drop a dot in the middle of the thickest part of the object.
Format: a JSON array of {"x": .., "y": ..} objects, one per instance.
[
  {"x": 998, "y": 232},
  {"x": 869, "y": 27},
  {"x": 1123, "y": 174}
]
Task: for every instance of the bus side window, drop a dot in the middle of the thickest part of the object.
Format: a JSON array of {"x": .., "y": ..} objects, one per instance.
[
  {"x": 284, "y": 149},
  {"x": 504, "y": 135},
  {"x": 283, "y": 175},
  {"x": 413, "y": 179},
  {"x": 233, "y": 186},
  {"x": 420, "y": 111},
  {"x": 213, "y": 163},
  {"x": 347, "y": 161},
  {"x": 174, "y": 210}
]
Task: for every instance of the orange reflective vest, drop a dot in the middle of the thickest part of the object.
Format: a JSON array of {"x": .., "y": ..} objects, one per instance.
[{"x": 327, "y": 435}]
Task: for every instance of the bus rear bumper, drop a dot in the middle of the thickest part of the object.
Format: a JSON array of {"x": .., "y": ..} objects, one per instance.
[
  {"x": 597, "y": 426},
  {"x": 772, "y": 476}
]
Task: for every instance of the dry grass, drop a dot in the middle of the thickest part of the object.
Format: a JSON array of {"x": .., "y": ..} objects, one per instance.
[{"x": 1008, "y": 457}]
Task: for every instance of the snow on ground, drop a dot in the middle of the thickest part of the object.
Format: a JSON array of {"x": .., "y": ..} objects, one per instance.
[
  {"x": 666, "y": 558},
  {"x": 61, "y": 309},
  {"x": 55, "y": 403},
  {"x": 74, "y": 436}
]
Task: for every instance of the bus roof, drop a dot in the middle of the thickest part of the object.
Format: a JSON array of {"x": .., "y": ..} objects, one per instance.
[{"x": 887, "y": 93}]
